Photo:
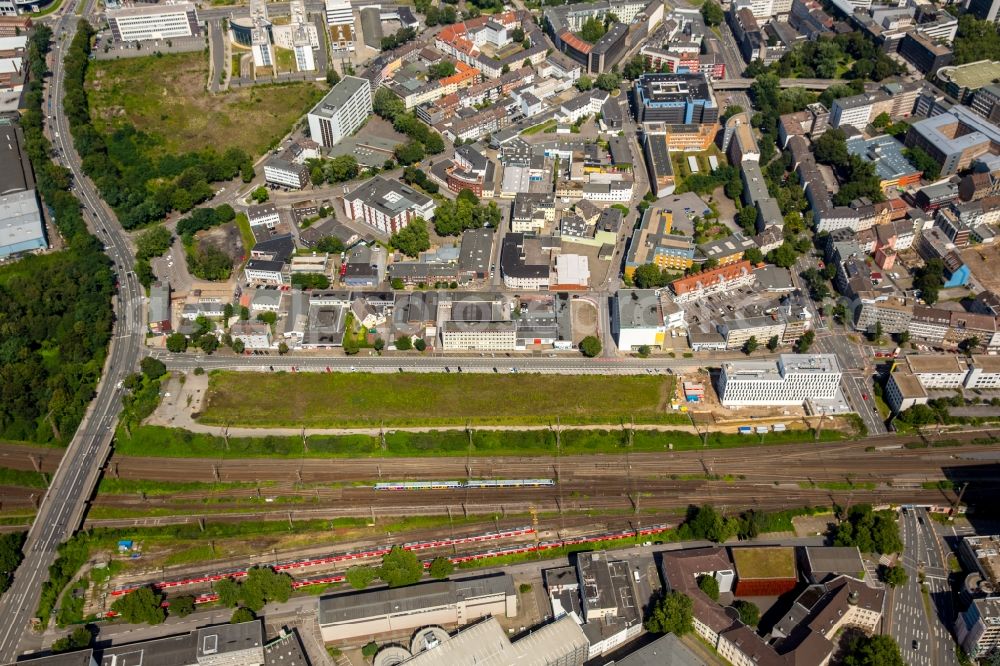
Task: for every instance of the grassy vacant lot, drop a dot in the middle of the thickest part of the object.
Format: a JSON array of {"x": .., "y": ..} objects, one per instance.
[
  {"x": 341, "y": 399},
  {"x": 156, "y": 441},
  {"x": 165, "y": 96}
]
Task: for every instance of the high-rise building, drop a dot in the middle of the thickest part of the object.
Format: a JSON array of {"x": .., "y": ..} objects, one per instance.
[{"x": 344, "y": 109}]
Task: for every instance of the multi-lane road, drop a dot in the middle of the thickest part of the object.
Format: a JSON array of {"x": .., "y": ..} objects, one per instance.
[
  {"x": 923, "y": 638},
  {"x": 62, "y": 507}
]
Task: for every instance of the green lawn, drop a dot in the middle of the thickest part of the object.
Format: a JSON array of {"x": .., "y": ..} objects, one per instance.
[
  {"x": 414, "y": 399},
  {"x": 22, "y": 479},
  {"x": 156, "y": 441},
  {"x": 166, "y": 97},
  {"x": 284, "y": 59},
  {"x": 543, "y": 127}
]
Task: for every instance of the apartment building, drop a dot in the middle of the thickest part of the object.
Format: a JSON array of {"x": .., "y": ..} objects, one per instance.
[
  {"x": 142, "y": 22},
  {"x": 344, "y": 109},
  {"x": 792, "y": 380},
  {"x": 713, "y": 281},
  {"x": 387, "y": 204}
]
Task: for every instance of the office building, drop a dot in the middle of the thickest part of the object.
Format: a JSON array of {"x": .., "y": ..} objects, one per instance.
[
  {"x": 144, "y": 21},
  {"x": 886, "y": 153},
  {"x": 642, "y": 317},
  {"x": 963, "y": 81},
  {"x": 955, "y": 138},
  {"x": 559, "y": 643},
  {"x": 525, "y": 260},
  {"x": 903, "y": 390},
  {"x": 977, "y": 629},
  {"x": 387, "y": 204},
  {"x": 924, "y": 53},
  {"x": 652, "y": 242},
  {"x": 792, "y": 380},
  {"x": 279, "y": 171},
  {"x": 448, "y": 602},
  {"x": 986, "y": 10},
  {"x": 344, "y": 109},
  {"x": 340, "y": 24},
  {"x": 656, "y": 148},
  {"x": 676, "y": 99}
]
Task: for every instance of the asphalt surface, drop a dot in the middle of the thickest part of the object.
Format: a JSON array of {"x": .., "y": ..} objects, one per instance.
[
  {"x": 908, "y": 622},
  {"x": 61, "y": 509},
  {"x": 218, "y": 54}
]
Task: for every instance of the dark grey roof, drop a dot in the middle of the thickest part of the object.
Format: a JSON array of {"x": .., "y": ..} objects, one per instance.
[
  {"x": 286, "y": 650},
  {"x": 378, "y": 603},
  {"x": 265, "y": 265},
  {"x": 473, "y": 156},
  {"x": 621, "y": 151},
  {"x": 226, "y": 638},
  {"x": 667, "y": 650},
  {"x": 81, "y": 658},
  {"x": 477, "y": 251},
  {"x": 15, "y": 175},
  {"x": 512, "y": 260},
  {"x": 611, "y": 219},
  {"x": 280, "y": 247},
  {"x": 264, "y": 210},
  {"x": 339, "y": 95},
  {"x": 168, "y": 651}
]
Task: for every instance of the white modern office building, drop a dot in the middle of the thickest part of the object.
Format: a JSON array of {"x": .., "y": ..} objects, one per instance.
[
  {"x": 792, "y": 380},
  {"x": 341, "y": 112},
  {"x": 340, "y": 24},
  {"x": 153, "y": 22}
]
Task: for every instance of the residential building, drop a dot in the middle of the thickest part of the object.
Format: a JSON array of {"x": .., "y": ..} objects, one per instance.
[
  {"x": 142, "y": 22},
  {"x": 341, "y": 112},
  {"x": 652, "y": 243},
  {"x": 726, "y": 250},
  {"x": 793, "y": 379},
  {"x": 532, "y": 211},
  {"x": 893, "y": 313},
  {"x": 977, "y": 629},
  {"x": 738, "y": 141},
  {"x": 263, "y": 215},
  {"x": 387, "y": 204},
  {"x": 448, "y": 602},
  {"x": 854, "y": 111},
  {"x": 716, "y": 280},
  {"x": 559, "y": 643},
  {"x": 253, "y": 335},
  {"x": 11, "y": 26}
]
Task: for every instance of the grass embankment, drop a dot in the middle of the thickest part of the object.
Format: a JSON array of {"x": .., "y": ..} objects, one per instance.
[
  {"x": 418, "y": 399},
  {"x": 156, "y": 441},
  {"x": 165, "y": 96},
  {"x": 19, "y": 478}
]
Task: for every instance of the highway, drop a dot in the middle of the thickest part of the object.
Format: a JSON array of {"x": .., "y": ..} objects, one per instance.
[{"x": 62, "y": 507}]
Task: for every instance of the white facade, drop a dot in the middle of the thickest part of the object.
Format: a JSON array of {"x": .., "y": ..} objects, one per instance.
[
  {"x": 791, "y": 380},
  {"x": 344, "y": 109},
  {"x": 285, "y": 174},
  {"x": 387, "y": 205},
  {"x": 153, "y": 22},
  {"x": 339, "y": 12},
  {"x": 263, "y": 215},
  {"x": 855, "y": 114},
  {"x": 263, "y": 54},
  {"x": 263, "y": 272},
  {"x": 489, "y": 336},
  {"x": 764, "y": 9},
  {"x": 253, "y": 336},
  {"x": 526, "y": 283}
]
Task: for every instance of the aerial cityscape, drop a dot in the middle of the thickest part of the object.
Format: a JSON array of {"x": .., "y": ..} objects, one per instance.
[{"x": 499, "y": 332}]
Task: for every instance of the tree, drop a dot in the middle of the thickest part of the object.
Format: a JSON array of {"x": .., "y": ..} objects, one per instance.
[
  {"x": 590, "y": 346},
  {"x": 879, "y": 331},
  {"x": 608, "y": 81},
  {"x": 441, "y": 568},
  {"x": 704, "y": 522},
  {"x": 359, "y": 577},
  {"x": 152, "y": 368},
  {"x": 78, "y": 640},
  {"x": 369, "y": 650},
  {"x": 228, "y": 591},
  {"x": 831, "y": 148},
  {"x": 332, "y": 77},
  {"x": 672, "y": 614},
  {"x": 750, "y": 346},
  {"x": 181, "y": 606},
  {"x": 412, "y": 239},
  {"x": 773, "y": 343},
  {"x": 878, "y": 650},
  {"x": 409, "y": 152},
  {"x": 400, "y": 567},
  {"x": 649, "y": 276},
  {"x": 747, "y": 218},
  {"x": 644, "y": 351},
  {"x": 805, "y": 342},
  {"x": 140, "y": 606},
  {"x": 238, "y": 346},
  {"x": 929, "y": 280},
  {"x": 922, "y": 161},
  {"x": 592, "y": 30},
  {"x": 282, "y": 348},
  {"x": 440, "y": 70},
  {"x": 584, "y": 83},
  {"x": 784, "y": 255},
  {"x": 712, "y": 13},
  {"x": 709, "y": 586},
  {"x": 177, "y": 343},
  {"x": 153, "y": 242},
  {"x": 749, "y": 612},
  {"x": 387, "y": 105},
  {"x": 975, "y": 40},
  {"x": 241, "y": 615},
  {"x": 420, "y": 344},
  {"x": 894, "y": 576},
  {"x": 753, "y": 254},
  {"x": 260, "y": 195}
]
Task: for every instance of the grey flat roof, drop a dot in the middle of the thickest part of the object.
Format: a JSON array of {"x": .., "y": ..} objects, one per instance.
[
  {"x": 477, "y": 250},
  {"x": 81, "y": 658},
  {"x": 162, "y": 652},
  {"x": 377, "y": 603},
  {"x": 667, "y": 650},
  {"x": 339, "y": 95},
  {"x": 264, "y": 265},
  {"x": 226, "y": 638},
  {"x": 20, "y": 219}
]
